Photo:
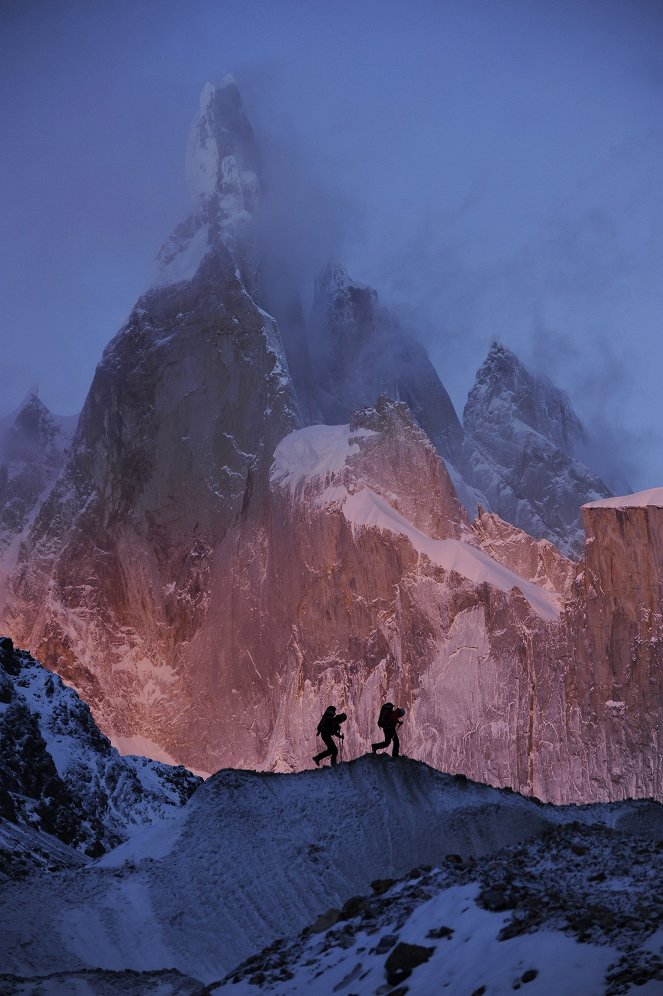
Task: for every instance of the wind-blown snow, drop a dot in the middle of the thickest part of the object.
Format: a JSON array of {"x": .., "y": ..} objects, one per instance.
[
  {"x": 366, "y": 509},
  {"x": 653, "y": 497},
  {"x": 184, "y": 264},
  {"x": 317, "y": 451}
]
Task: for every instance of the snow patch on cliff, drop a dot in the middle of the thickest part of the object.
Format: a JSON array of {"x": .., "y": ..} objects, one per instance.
[
  {"x": 316, "y": 452},
  {"x": 183, "y": 265},
  {"x": 366, "y": 509},
  {"x": 653, "y": 497}
]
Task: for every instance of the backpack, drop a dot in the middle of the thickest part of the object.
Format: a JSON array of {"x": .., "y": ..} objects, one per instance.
[
  {"x": 384, "y": 714},
  {"x": 327, "y": 715}
]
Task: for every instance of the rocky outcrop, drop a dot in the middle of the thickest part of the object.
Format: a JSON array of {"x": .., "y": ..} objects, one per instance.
[
  {"x": 32, "y": 452},
  {"x": 526, "y": 437},
  {"x": 617, "y": 670},
  {"x": 60, "y": 775}
]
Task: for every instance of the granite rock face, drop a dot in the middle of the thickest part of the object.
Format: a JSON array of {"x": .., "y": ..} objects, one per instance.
[
  {"x": 209, "y": 575},
  {"x": 527, "y": 437},
  {"x": 617, "y": 624},
  {"x": 364, "y": 353},
  {"x": 168, "y": 468},
  {"x": 360, "y": 352},
  {"x": 32, "y": 450}
]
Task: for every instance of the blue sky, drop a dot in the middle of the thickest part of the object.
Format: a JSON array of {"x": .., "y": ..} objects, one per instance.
[{"x": 492, "y": 168}]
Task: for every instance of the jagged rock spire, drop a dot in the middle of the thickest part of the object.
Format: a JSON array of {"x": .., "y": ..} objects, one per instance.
[
  {"x": 504, "y": 383},
  {"x": 222, "y": 174},
  {"x": 222, "y": 158}
]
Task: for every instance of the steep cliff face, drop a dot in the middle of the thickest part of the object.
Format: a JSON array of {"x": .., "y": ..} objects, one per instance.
[
  {"x": 618, "y": 648},
  {"x": 397, "y": 599},
  {"x": 169, "y": 463},
  {"x": 526, "y": 437},
  {"x": 32, "y": 451}
]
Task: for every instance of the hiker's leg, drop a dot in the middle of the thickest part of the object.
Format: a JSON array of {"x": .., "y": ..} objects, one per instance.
[
  {"x": 331, "y": 751},
  {"x": 395, "y": 751}
]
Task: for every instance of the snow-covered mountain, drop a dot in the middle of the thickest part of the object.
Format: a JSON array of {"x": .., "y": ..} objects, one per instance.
[
  {"x": 60, "y": 775},
  {"x": 209, "y": 574},
  {"x": 312, "y": 874},
  {"x": 516, "y": 453},
  {"x": 527, "y": 439}
]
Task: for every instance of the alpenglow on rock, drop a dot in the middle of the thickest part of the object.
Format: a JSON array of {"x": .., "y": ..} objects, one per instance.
[
  {"x": 527, "y": 437},
  {"x": 209, "y": 575},
  {"x": 130, "y": 557}
]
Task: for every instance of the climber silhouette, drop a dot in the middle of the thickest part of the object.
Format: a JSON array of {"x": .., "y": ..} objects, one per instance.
[
  {"x": 389, "y": 720},
  {"x": 329, "y": 727}
]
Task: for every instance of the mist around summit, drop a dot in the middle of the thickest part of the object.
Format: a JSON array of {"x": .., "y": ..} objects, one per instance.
[{"x": 267, "y": 506}]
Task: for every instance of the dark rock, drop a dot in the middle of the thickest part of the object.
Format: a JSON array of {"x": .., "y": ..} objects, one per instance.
[
  {"x": 9, "y": 662},
  {"x": 325, "y": 921},
  {"x": 353, "y": 906},
  {"x": 414, "y": 873},
  {"x": 6, "y": 689},
  {"x": 495, "y": 899},
  {"x": 403, "y": 959},
  {"x": 382, "y": 885},
  {"x": 386, "y": 943},
  {"x": 439, "y": 932},
  {"x": 529, "y": 975}
]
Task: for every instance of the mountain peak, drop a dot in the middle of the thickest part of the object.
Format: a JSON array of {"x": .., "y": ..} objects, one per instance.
[
  {"x": 509, "y": 390},
  {"x": 222, "y": 159}
]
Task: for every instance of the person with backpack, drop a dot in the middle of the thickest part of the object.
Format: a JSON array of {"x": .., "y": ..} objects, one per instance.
[
  {"x": 329, "y": 727},
  {"x": 389, "y": 720}
]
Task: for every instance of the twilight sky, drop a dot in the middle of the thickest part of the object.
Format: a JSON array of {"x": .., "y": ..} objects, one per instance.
[{"x": 492, "y": 168}]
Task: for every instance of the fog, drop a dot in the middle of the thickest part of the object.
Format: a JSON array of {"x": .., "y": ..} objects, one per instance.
[{"x": 491, "y": 169}]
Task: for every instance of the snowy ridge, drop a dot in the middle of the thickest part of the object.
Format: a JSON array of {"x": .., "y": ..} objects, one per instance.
[
  {"x": 320, "y": 454},
  {"x": 265, "y": 855},
  {"x": 368, "y": 510}
]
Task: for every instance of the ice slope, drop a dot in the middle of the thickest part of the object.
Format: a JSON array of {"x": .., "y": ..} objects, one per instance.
[{"x": 256, "y": 856}]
